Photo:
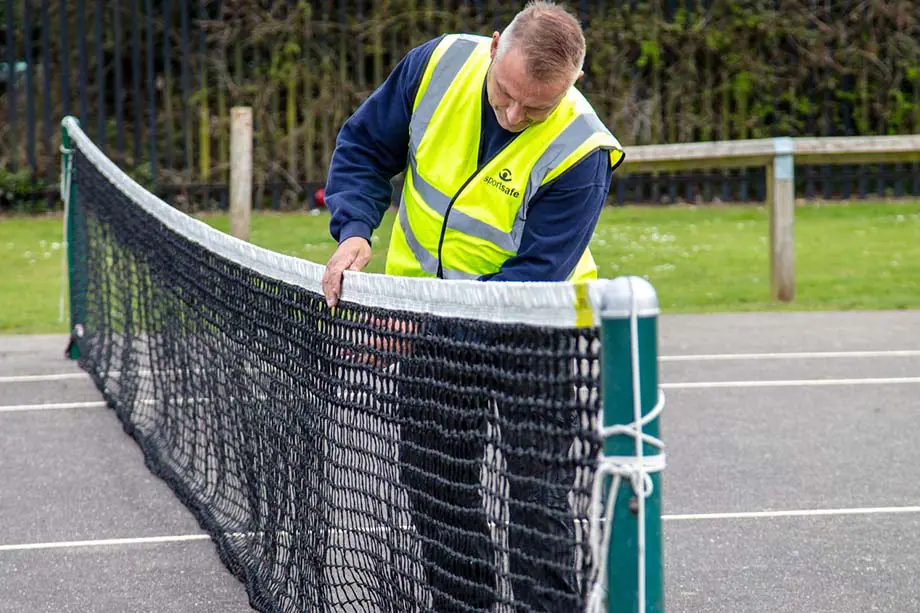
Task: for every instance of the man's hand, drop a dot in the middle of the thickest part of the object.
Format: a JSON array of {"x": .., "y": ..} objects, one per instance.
[
  {"x": 388, "y": 336},
  {"x": 352, "y": 254}
]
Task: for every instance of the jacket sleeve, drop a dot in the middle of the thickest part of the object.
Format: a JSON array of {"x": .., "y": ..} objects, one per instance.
[
  {"x": 371, "y": 148},
  {"x": 560, "y": 223}
]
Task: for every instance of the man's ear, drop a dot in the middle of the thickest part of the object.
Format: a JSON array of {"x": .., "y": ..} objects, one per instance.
[
  {"x": 494, "y": 48},
  {"x": 580, "y": 75}
]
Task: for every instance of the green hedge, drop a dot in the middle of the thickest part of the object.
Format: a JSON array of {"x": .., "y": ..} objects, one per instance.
[{"x": 669, "y": 71}]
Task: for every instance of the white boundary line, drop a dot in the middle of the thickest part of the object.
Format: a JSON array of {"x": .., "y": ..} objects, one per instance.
[
  {"x": 68, "y": 376},
  {"x": 788, "y": 383},
  {"x": 105, "y": 542},
  {"x": 682, "y": 517},
  {"x": 794, "y": 513},
  {"x": 53, "y": 406},
  {"x": 16, "y": 408},
  {"x": 813, "y": 355},
  {"x": 703, "y": 357}
]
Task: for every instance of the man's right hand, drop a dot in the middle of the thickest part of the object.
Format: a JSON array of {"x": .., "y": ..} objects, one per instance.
[{"x": 352, "y": 254}]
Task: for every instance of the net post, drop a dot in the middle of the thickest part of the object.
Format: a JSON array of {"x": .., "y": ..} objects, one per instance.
[
  {"x": 69, "y": 196},
  {"x": 240, "y": 171},
  {"x": 629, "y": 336}
]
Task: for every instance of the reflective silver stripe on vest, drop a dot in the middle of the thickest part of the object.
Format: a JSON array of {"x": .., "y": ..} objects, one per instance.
[
  {"x": 570, "y": 139},
  {"x": 460, "y": 221},
  {"x": 428, "y": 262},
  {"x": 443, "y": 75}
]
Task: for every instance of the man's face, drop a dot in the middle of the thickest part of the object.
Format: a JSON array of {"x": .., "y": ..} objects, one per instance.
[{"x": 518, "y": 100}]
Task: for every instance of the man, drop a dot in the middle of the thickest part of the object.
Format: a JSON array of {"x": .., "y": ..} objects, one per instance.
[{"x": 507, "y": 168}]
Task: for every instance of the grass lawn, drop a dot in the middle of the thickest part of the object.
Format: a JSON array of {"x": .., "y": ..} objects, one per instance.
[{"x": 701, "y": 259}]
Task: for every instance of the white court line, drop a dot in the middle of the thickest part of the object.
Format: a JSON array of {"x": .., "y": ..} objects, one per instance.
[
  {"x": 794, "y": 513},
  {"x": 53, "y": 406},
  {"x": 788, "y": 383},
  {"x": 665, "y": 386},
  {"x": 702, "y": 357},
  {"x": 68, "y": 376},
  {"x": 105, "y": 542},
  {"x": 85, "y": 405},
  {"x": 681, "y": 517},
  {"x": 64, "y": 376},
  {"x": 813, "y": 355}
]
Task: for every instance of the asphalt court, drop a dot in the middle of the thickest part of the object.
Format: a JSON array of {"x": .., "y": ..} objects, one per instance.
[{"x": 793, "y": 477}]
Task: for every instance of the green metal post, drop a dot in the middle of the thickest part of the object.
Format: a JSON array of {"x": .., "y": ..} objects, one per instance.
[
  {"x": 70, "y": 215},
  {"x": 626, "y": 295}
]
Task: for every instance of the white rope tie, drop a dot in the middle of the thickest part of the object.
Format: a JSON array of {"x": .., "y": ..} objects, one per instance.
[
  {"x": 638, "y": 469},
  {"x": 66, "y": 180}
]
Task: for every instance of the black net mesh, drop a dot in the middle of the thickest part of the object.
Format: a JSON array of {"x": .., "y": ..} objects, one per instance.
[{"x": 361, "y": 459}]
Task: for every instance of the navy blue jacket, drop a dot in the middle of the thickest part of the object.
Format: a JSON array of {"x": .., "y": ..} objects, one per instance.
[{"x": 372, "y": 147}]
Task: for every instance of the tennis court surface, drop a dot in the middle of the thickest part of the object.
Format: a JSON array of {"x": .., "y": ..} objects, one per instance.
[{"x": 792, "y": 480}]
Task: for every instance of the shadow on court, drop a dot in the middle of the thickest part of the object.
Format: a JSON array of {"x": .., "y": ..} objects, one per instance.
[{"x": 791, "y": 482}]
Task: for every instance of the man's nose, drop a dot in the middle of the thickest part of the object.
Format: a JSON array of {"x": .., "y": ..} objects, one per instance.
[{"x": 515, "y": 113}]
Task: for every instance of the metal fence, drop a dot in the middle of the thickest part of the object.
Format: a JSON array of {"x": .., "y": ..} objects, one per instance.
[{"x": 152, "y": 81}]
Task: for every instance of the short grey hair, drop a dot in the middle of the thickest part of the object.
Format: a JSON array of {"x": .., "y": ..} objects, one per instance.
[{"x": 551, "y": 39}]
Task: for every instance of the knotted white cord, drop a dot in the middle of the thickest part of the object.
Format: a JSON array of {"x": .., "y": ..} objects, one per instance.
[
  {"x": 66, "y": 179},
  {"x": 637, "y": 469}
]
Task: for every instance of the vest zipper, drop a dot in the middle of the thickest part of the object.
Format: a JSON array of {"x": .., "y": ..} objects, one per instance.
[{"x": 450, "y": 204}]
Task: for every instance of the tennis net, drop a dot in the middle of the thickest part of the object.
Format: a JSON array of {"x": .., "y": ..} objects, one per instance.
[{"x": 424, "y": 446}]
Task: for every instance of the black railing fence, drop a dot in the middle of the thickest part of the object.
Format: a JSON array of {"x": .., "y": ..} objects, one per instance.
[{"x": 153, "y": 81}]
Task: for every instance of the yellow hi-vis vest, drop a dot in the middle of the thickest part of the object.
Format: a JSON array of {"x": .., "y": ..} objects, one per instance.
[{"x": 460, "y": 221}]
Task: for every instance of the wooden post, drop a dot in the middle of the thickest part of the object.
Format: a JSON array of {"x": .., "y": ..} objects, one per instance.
[
  {"x": 776, "y": 154},
  {"x": 240, "y": 171},
  {"x": 781, "y": 200}
]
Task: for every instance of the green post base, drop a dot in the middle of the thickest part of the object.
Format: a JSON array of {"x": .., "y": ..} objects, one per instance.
[
  {"x": 73, "y": 349},
  {"x": 618, "y": 398}
]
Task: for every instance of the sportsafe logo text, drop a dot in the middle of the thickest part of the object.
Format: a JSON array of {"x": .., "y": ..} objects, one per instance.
[{"x": 505, "y": 175}]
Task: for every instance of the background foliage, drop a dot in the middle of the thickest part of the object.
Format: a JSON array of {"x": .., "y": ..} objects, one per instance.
[{"x": 152, "y": 81}]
